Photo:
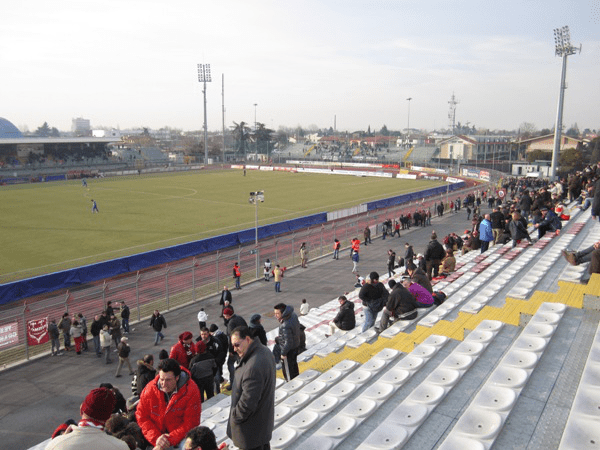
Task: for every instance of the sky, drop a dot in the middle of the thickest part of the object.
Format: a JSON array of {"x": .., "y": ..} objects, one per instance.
[{"x": 346, "y": 64}]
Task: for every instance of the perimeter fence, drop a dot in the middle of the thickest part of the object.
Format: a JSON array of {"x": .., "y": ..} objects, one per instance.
[{"x": 186, "y": 281}]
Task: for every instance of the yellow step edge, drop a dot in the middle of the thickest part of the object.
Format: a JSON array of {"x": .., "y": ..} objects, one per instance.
[{"x": 569, "y": 293}]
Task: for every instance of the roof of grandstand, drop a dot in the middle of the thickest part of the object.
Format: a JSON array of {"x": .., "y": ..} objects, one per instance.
[{"x": 8, "y": 130}]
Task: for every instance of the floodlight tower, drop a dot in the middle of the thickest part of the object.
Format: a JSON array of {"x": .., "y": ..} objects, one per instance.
[
  {"x": 452, "y": 112},
  {"x": 563, "y": 48},
  {"x": 255, "y": 198},
  {"x": 408, "y": 124},
  {"x": 204, "y": 77}
]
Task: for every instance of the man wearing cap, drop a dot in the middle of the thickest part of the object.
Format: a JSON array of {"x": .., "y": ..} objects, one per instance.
[
  {"x": 95, "y": 410},
  {"x": 550, "y": 222},
  {"x": 124, "y": 349},
  {"x": 373, "y": 295},
  {"x": 184, "y": 350},
  {"x": 169, "y": 406}
]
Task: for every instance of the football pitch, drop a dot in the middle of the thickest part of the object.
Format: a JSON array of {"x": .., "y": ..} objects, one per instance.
[{"x": 50, "y": 227}]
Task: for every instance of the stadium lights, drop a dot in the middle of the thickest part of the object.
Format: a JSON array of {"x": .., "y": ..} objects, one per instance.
[
  {"x": 562, "y": 48},
  {"x": 255, "y": 198},
  {"x": 204, "y": 77},
  {"x": 408, "y": 124}
]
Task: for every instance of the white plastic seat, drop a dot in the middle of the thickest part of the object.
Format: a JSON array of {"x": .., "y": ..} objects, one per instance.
[
  {"x": 444, "y": 377},
  {"x": 359, "y": 377},
  {"x": 283, "y": 436},
  {"x": 296, "y": 401},
  {"x": 323, "y": 404},
  {"x": 282, "y": 412},
  {"x": 520, "y": 359},
  {"x": 342, "y": 390},
  {"x": 546, "y": 317},
  {"x": 496, "y": 398},
  {"x": 410, "y": 362},
  {"x": 469, "y": 348},
  {"x": 293, "y": 385},
  {"x": 379, "y": 391},
  {"x": 424, "y": 351},
  {"x": 209, "y": 412},
  {"x": 511, "y": 377},
  {"x": 542, "y": 330},
  {"x": 483, "y": 336},
  {"x": 346, "y": 366},
  {"x": 392, "y": 437},
  {"x": 302, "y": 420},
  {"x": 479, "y": 423},
  {"x": 313, "y": 388},
  {"x": 220, "y": 417},
  {"x": 427, "y": 393},
  {"x": 531, "y": 343},
  {"x": 589, "y": 403},
  {"x": 374, "y": 365},
  {"x": 360, "y": 407},
  {"x": 455, "y": 442},
  {"x": 339, "y": 427},
  {"x": 456, "y": 361},
  {"x": 280, "y": 394},
  {"x": 331, "y": 375},
  {"x": 395, "y": 376}
]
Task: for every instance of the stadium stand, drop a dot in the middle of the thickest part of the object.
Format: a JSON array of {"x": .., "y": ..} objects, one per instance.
[{"x": 511, "y": 340}]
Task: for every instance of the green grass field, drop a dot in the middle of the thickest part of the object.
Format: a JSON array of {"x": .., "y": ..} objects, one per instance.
[{"x": 50, "y": 227}]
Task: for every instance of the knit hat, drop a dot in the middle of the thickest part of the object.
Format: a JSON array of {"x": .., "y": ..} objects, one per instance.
[
  {"x": 228, "y": 312},
  {"x": 200, "y": 347},
  {"x": 213, "y": 328},
  {"x": 99, "y": 404},
  {"x": 185, "y": 336}
]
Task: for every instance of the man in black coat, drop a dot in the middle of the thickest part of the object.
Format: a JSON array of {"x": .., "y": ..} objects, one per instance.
[
  {"x": 345, "y": 319},
  {"x": 401, "y": 305},
  {"x": 225, "y": 299},
  {"x": 232, "y": 321},
  {"x": 95, "y": 329},
  {"x": 373, "y": 295},
  {"x": 433, "y": 256}
]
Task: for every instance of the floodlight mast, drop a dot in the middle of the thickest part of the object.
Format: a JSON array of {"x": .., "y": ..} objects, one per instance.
[
  {"x": 563, "y": 48},
  {"x": 255, "y": 198},
  {"x": 204, "y": 77}
]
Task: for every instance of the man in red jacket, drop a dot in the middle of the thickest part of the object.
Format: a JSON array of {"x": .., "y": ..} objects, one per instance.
[
  {"x": 184, "y": 350},
  {"x": 169, "y": 406}
]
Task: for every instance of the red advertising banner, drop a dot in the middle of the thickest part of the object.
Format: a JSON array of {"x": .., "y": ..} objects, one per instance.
[
  {"x": 9, "y": 334},
  {"x": 37, "y": 331}
]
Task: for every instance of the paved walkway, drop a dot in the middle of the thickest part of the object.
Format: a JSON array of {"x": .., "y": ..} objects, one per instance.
[{"x": 41, "y": 394}]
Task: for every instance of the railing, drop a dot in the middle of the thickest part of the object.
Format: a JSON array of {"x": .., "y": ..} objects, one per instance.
[{"x": 187, "y": 281}]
